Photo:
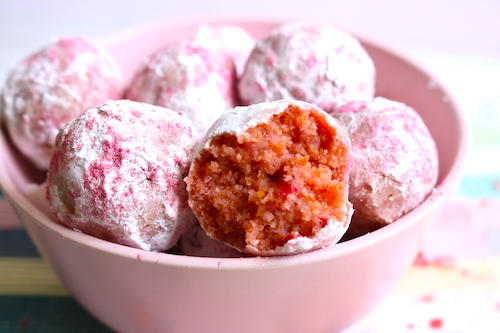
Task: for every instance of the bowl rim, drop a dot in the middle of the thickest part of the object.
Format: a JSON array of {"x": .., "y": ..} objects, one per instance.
[{"x": 435, "y": 199}]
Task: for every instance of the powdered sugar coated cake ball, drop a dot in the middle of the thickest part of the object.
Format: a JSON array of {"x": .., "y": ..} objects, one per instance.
[
  {"x": 187, "y": 77},
  {"x": 394, "y": 161},
  {"x": 117, "y": 173},
  {"x": 232, "y": 39},
  {"x": 52, "y": 86},
  {"x": 196, "y": 242},
  {"x": 315, "y": 63},
  {"x": 272, "y": 179}
]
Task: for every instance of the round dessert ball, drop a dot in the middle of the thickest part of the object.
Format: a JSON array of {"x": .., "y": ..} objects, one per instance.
[
  {"x": 117, "y": 173},
  {"x": 394, "y": 162},
  {"x": 196, "y": 242},
  {"x": 52, "y": 86},
  {"x": 188, "y": 77},
  {"x": 232, "y": 39},
  {"x": 310, "y": 62},
  {"x": 272, "y": 179}
]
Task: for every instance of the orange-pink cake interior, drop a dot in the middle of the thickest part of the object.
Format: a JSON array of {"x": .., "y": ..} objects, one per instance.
[{"x": 273, "y": 182}]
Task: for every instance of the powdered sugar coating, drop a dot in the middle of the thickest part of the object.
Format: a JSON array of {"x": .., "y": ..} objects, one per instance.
[
  {"x": 241, "y": 118},
  {"x": 237, "y": 122},
  {"x": 330, "y": 234},
  {"x": 394, "y": 161},
  {"x": 195, "y": 242},
  {"x": 117, "y": 173},
  {"x": 310, "y": 62},
  {"x": 188, "y": 77},
  {"x": 52, "y": 86},
  {"x": 232, "y": 39}
]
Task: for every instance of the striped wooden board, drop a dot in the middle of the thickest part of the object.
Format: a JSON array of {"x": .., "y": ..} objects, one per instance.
[{"x": 32, "y": 298}]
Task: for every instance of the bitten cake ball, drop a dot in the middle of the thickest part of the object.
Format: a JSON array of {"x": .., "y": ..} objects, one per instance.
[
  {"x": 310, "y": 62},
  {"x": 117, "y": 173},
  {"x": 51, "y": 87},
  {"x": 394, "y": 162},
  {"x": 272, "y": 179},
  {"x": 197, "y": 80},
  {"x": 232, "y": 39}
]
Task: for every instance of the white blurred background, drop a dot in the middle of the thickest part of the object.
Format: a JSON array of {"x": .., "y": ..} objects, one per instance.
[{"x": 457, "y": 40}]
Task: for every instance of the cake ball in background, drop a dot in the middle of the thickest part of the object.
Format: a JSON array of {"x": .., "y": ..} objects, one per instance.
[
  {"x": 196, "y": 242},
  {"x": 117, "y": 173},
  {"x": 196, "y": 79},
  {"x": 272, "y": 179},
  {"x": 394, "y": 162},
  {"x": 233, "y": 40},
  {"x": 315, "y": 63},
  {"x": 46, "y": 90}
]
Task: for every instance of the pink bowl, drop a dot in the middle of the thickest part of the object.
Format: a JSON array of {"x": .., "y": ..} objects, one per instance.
[{"x": 132, "y": 290}]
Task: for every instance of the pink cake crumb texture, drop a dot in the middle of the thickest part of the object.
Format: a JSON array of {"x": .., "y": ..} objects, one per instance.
[
  {"x": 50, "y": 87},
  {"x": 117, "y": 173},
  {"x": 272, "y": 179}
]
